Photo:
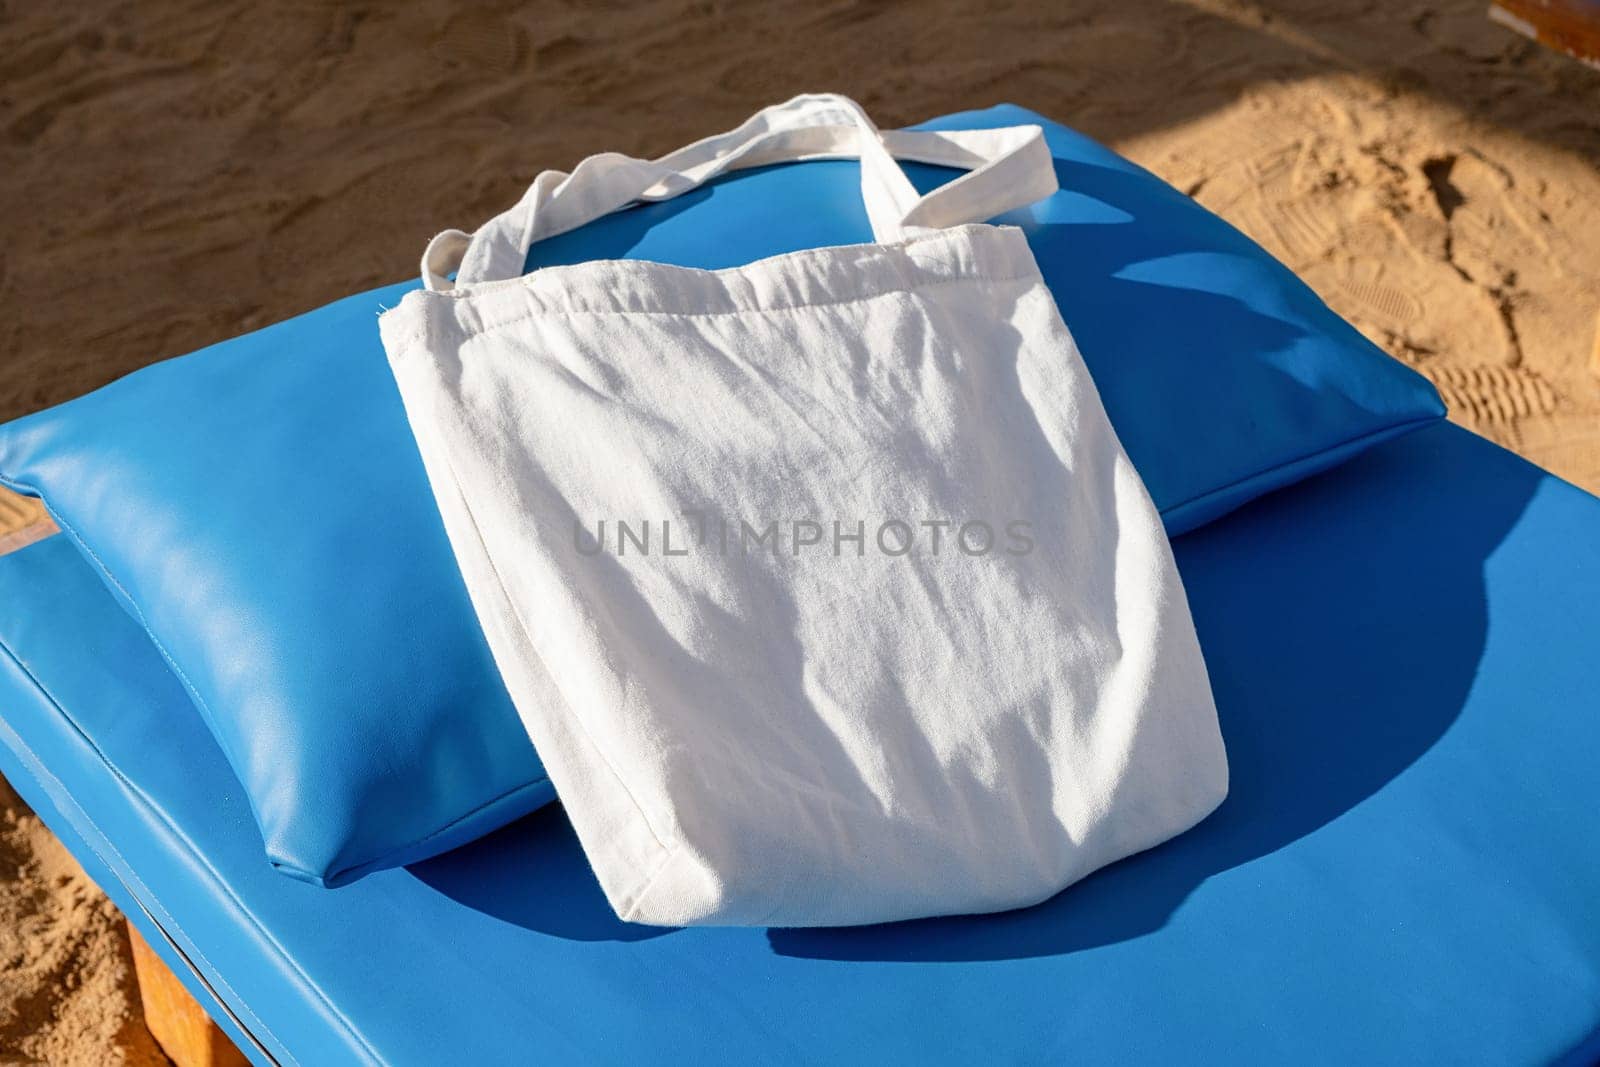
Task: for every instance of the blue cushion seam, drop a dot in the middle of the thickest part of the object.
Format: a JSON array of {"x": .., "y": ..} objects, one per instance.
[
  {"x": 1371, "y": 437},
  {"x": 446, "y": 828}
]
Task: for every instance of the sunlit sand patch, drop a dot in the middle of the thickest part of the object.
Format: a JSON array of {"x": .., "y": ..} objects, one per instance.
[{"x": 1454, "y": 244}]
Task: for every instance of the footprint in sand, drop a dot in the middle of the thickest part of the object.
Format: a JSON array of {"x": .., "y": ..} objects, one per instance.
[
  {"x": 1361, "y": 290},
  {"x": 1488, "y": 227},
  {"x": 1266, "y": 196},
  {"x": 475, "y": 40},
  {"x": 1389, "y": 306},
  {"x": 1294, "y": 230},
  {"x": 1490, "y": 396}
]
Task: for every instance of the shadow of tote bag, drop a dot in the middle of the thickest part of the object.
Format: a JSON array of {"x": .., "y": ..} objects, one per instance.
[{"x": 822, "y": 584}]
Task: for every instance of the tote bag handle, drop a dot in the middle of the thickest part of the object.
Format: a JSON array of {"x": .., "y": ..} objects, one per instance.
[{"x": 1007, "y": 168}]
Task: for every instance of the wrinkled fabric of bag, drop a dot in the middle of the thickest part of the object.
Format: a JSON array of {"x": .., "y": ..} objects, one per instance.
[{"x": 822, "y": 585}]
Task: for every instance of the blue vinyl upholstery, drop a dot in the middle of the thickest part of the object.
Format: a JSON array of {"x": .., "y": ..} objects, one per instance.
[
  {"x": 1406, "y": 870},
  {"x": 329, "y": 642}
]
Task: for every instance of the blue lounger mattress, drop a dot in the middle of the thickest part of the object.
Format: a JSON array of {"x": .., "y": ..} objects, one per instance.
[{"x": 1407, "y": 869}]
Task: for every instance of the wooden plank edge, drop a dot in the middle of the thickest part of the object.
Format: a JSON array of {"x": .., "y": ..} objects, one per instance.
[
  {"x": 1563, "y": 27},
  {"x": 175, "y": 1019}
]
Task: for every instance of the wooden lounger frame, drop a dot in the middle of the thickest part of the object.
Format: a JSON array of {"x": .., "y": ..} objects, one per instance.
[
  {"x": 1570, "y": 26},
  {"x": 22, "y": 522}
]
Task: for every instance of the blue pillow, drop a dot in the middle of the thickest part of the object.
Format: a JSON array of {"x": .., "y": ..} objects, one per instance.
[{"x": 260, "y": 507}]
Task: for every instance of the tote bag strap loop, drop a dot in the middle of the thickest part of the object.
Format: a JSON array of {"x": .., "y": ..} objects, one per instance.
[{"x": 1007, "y": 168}]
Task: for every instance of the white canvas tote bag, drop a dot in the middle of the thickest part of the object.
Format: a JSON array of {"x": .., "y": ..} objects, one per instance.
[{"x": 822, "y": 584}]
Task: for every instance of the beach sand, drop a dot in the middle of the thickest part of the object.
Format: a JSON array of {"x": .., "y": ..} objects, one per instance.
[
  {"x": 67, "y": 993},
  {"x": 175, "y": 174}
]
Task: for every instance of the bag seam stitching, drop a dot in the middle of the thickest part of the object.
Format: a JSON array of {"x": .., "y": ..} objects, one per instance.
[
  {"x": 494, "y": 327},
  {"x": 523, "y": 627}
]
